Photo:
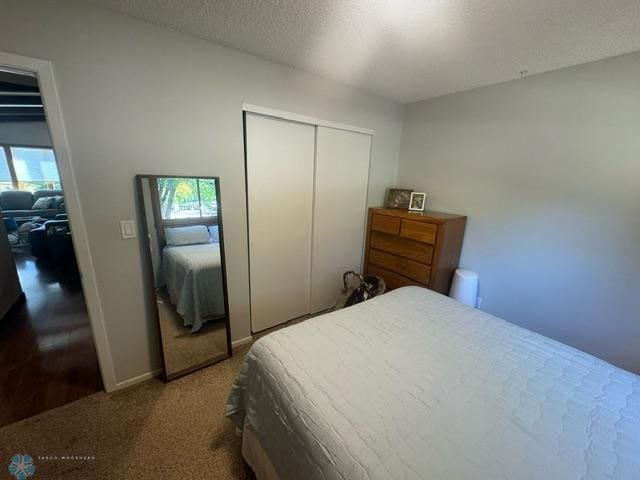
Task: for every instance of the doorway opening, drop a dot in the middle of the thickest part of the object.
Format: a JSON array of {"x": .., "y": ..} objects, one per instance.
[{"x": 47, "y": 349}]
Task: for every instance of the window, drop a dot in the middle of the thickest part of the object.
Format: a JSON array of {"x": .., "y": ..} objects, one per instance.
[
  {"x": 6, "y": 182},
  {"x": 187, "y": 198},
  {"x": 28, "y": 168},
  {"x": 35, "y": 168}
]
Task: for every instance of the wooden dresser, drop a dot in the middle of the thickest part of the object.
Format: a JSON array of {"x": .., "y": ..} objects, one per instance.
[{"x": 414, "y": 248}]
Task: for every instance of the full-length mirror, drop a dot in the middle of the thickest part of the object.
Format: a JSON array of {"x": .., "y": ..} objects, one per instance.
[{"x": 184, "y": 237}]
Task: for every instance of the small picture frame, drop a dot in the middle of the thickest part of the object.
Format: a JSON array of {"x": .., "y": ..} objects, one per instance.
[
  {"x": 417, "y": 201},
  {"x": 398, "y": 198}
]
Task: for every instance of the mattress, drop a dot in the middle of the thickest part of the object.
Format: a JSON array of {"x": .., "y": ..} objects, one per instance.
[
  {"x": 413, "y": 385},
  {"x": 193, "y": 277}
]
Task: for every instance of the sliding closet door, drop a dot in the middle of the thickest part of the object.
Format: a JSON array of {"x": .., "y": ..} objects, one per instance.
[
  {"x": 341, "y": 180},
  {"x": 280, "y": 157}
]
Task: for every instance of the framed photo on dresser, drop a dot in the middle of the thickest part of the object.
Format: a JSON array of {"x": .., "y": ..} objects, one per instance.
[
  {"x": 417, "y": 201},
  {"x": 398, "y": 198}
]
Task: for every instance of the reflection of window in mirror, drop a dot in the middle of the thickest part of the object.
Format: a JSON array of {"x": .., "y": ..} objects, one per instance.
[
  {"x": 187, "y": 198},
  {"x": 184, "y": 201}
]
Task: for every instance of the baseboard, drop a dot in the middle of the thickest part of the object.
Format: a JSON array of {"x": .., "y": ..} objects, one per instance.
[
  {"x": 146, "y": 376},
  {"x": 140, "y": 378},
  {"x": 242, "y": 341}
]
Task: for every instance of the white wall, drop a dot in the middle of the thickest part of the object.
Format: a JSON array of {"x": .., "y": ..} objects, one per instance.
[
  {"x": 137, "y": 98},
  {"x": 548, "y": 170},
  {"x": 34, "y": 134}
]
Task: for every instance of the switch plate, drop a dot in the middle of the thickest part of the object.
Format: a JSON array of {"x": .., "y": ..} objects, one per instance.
[{"x": 128, "y": 229}]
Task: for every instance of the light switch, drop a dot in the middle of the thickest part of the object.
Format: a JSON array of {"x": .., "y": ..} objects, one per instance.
[{"x": 128, "y": 229}]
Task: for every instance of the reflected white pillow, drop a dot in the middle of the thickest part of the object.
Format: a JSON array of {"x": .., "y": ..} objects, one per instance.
[
  {"x": 215, "y": 234},
  {"x": 187, "y": 235}
]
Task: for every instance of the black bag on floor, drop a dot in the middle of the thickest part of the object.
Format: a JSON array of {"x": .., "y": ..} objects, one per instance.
[{"x": 357, "y": 288}]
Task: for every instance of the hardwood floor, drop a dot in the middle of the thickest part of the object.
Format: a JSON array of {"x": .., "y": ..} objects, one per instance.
[{"x": 47, "y": 355}]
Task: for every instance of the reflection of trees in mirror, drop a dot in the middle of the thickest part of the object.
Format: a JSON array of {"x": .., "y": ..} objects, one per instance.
[
  {"x": 208, "y": 204},
  {"x": 187, "y": 197}
]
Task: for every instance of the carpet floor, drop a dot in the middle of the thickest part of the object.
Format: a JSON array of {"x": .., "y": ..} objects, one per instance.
[
  {"x": 183, "y": 349},
  {"x": 149, "y": 431}
]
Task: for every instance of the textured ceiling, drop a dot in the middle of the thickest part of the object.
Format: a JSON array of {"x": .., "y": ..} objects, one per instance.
[{"x": 407, "y": 50}]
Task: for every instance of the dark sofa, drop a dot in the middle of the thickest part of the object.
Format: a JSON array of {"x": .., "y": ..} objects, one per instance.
[{"x": 19, "y": 203}]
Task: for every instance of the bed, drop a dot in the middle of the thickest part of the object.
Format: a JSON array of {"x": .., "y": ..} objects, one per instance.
[
  {"x": 193, "y": 278},
  {"x": 413, "y": 385}
]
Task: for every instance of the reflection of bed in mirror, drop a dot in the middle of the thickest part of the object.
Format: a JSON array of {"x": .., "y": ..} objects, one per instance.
[{"x": 193, "y": 278}]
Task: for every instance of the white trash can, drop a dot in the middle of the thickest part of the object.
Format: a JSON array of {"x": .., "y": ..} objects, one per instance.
[{"x": 464, "y": 287}]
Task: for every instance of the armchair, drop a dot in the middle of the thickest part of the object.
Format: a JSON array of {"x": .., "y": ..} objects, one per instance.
[{"x": 52, "y": 240}]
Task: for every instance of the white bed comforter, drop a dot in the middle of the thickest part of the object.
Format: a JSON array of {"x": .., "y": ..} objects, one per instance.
[
  {"x": 413, "y": 385},
  {"x": 193, "y": 276}
]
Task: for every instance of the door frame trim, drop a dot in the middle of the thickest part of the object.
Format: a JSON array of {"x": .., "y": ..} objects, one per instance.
[
  {"x": 53, "y": 113},
  {"x": 298, "y": 117}
]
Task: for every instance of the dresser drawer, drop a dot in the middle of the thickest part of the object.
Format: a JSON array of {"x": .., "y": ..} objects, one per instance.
[
  {"x": 383, "y": 223},
  {"x": 405, "y": 267},
  {"x": 403, "y": 247},
  {"x": 420, "y": 231},
  {"x": 408, "y": 248},
  {"x": 391, "y": 279}
]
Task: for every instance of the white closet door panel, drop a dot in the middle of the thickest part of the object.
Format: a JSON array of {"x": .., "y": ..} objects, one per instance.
[
  {"x": 341, "y": 180},
  {"x": 280, "y": 157}
]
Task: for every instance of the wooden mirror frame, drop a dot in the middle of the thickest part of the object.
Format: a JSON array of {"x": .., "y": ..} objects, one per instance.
[{"x": 148, "y": 267}]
